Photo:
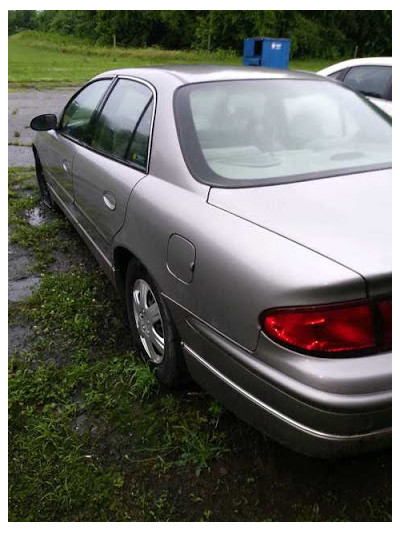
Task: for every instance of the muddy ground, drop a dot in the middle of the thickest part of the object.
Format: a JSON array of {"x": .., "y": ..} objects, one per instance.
[{"x": 258, "y": 479}]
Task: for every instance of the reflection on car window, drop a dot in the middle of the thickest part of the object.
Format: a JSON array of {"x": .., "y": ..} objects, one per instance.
[
  {"x": 249, "y": 131},
  {"x": 370, "y": 80},
  {"x": 119, "y": 118},
  {"x": 79, "y": 111}
]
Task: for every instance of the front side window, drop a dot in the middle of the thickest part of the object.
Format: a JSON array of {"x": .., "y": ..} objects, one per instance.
[
  {"x": 252, "y": 132},
  {"x": 369, "y": 80},
  {"x": 79, "y": 111},
  {"x": 121, "y": 119}
]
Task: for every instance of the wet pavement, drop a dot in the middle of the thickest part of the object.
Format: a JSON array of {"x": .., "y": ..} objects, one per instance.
[
  {"x": 21, "y": 289},
  {"x": 22, "y": 108},
  {"x": 21, "y": 284}
]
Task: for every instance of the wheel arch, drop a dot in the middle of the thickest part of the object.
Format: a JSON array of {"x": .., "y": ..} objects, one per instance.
[{"x": 122, "y": 256}]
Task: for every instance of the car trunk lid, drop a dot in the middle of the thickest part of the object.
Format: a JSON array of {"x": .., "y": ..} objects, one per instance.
[{"x": 346, "y": 218}]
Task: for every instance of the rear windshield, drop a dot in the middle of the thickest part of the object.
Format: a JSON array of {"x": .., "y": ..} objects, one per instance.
[{"x": 253, "y": 132}]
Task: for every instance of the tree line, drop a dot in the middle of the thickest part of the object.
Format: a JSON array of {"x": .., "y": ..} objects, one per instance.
[{"x": 320, "y": 34}]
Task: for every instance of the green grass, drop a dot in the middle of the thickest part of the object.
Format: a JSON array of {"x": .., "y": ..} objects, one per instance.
[{"x": 48, "y": 60}]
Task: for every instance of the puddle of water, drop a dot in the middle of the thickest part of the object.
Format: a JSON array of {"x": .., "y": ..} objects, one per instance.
[{"x": 36, "y": 217}]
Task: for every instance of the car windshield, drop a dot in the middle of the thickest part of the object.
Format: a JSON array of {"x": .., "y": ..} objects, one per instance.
[{"x": 241, "y": 133}]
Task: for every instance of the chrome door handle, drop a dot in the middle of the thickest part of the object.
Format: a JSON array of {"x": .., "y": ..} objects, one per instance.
[
  {"x": 110, "y": 201},
  {"x": 66, "y": 166}
]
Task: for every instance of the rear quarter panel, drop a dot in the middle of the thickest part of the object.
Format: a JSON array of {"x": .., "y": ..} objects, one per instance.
[{"x": 240, "y": 269}]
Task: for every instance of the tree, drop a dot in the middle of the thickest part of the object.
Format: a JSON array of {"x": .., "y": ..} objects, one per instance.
[{"x": 21, "y": 20}]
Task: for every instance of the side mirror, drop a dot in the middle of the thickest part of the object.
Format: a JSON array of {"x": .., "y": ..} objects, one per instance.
[{"x": 44, "y": 122}]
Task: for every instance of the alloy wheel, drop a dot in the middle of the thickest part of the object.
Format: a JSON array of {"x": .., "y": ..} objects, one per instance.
[{"x": 148, "y": 321}]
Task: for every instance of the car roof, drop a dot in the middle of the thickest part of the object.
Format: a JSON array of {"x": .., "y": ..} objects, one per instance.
[
  {"x": 185, "y": 74},
  {"x": 360, "y": 61}
]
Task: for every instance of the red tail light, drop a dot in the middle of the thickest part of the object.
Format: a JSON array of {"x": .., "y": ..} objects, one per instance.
[
  {"x": 385, "y": 313},
  {"x": 349, "y": 328}
]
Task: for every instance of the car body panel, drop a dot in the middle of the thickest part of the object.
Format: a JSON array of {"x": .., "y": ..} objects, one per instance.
[
  {"x": 102, "y": 188},
  {"x": 335, "y": 217},
  {"x": 177, "y": 75},
  {"x": 314, "y": 432},
  {"x": 57, "y": 155}
]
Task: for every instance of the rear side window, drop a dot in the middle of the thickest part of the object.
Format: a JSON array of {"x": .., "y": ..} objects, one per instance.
[
  {"x": 370, "y": 80},
  {"x": 124, "y": 121},
  {"x": 80, "y": 109}
]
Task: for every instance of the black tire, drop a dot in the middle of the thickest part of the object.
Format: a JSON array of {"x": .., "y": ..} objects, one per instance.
[
  {"x": 45, "y": 196},
  {"x": 171, "y": 370}
]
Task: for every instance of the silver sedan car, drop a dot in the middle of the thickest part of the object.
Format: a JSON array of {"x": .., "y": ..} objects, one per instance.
[{"x": 244, "y": 214}]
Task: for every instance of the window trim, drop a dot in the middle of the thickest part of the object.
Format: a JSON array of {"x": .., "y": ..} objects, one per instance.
[{"x": 97, "y": 112}]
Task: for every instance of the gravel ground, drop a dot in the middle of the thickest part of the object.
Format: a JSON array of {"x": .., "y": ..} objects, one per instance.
[{"x": 22, "y": 107}]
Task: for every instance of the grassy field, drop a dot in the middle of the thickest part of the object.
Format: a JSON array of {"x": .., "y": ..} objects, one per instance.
[
  {"x": 94, "y": 437},
  {"x": 44, "y": 60}
]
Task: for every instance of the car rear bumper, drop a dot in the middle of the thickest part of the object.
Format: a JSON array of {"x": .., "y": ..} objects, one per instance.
[{"x": 311, "y": 421}]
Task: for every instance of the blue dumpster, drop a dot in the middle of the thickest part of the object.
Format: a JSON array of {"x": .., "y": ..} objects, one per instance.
[{"x": 266, "y": 52}]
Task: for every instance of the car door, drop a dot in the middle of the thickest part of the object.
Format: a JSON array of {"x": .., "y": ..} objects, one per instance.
[
  {"x": 114, "y": 160},
  {"x": 373, "y": 81},
  {"x": 58, "y": 152}
]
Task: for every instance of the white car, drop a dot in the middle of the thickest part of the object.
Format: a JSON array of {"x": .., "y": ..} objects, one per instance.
[{"x": 371, "y": 76}]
